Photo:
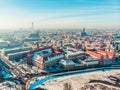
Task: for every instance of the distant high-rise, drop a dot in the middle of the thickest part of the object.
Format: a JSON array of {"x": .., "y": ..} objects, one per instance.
[
  {"x": 83, "y": 29},
  {"x": 83, "y": 33}
]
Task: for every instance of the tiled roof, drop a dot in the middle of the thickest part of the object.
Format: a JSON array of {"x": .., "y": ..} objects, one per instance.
[
  {"x": 40, "y": 58},
  {"x": 106, "y": 53},
  {"x": 95, "y": 55}
]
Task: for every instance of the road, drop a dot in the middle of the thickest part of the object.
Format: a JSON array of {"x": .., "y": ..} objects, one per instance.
[
  {"x": 12, "y": 67},
  {"x": 4, "y": 67}
]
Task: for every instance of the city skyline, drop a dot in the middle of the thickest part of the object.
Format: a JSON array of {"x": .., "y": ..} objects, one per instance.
[{"x": 59, "y": 13}]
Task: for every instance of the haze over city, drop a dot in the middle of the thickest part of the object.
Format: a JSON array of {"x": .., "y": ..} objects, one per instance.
[
  {"x": 59, "y": 44},
  {"x": 15, "y": 14}
]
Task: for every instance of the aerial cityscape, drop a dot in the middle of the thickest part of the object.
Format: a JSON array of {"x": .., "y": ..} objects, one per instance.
[{"x": 60, "y": 45}]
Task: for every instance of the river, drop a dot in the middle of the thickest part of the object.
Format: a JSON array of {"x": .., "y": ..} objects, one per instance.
[{"x": 40, "y": 82}]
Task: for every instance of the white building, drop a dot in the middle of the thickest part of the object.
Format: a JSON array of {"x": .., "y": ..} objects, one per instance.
[
  {"x": 18, "y": 55},
  {"x": 15, "y": 50},
  {"x": 73, "y": 54},
  {"x": 92, "y": 61},
  {"x": 15, "y": 43},
  {"x": 45, "y": 58},
  {"x": 67, "y": 64}
]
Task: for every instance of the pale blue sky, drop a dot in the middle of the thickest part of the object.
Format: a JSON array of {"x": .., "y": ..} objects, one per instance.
[{"x": 59, "y": 13}]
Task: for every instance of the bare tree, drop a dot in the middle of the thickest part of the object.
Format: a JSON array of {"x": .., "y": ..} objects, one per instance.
[{"x": 67, "y": 86}]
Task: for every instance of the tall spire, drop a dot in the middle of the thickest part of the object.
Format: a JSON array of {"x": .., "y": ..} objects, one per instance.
[{"x": 32, "y": 25}]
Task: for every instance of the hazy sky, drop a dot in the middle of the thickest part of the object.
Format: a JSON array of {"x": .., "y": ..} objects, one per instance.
[{"x": 59, "y": 13}]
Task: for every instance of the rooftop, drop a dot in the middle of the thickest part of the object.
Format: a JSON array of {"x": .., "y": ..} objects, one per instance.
[
  {"x": 93, "y": 54},
  {"x": 67, "y": 62}
]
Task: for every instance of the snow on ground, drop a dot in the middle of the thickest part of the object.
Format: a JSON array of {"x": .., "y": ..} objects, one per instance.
[{"x": 78, "y": 80}]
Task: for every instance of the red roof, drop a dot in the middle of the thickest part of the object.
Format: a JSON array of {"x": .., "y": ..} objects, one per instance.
[
  {"x": 100, "y": 45},
  {"x": 95, "y": 55},
  {"x": 106, "y": 53},
  {"x": 40, "y": 58}
]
